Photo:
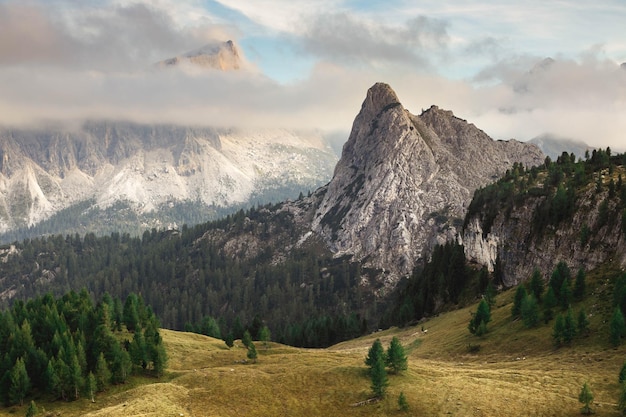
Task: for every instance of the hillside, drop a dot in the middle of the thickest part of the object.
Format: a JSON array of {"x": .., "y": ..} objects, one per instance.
[
  {"x": 515, "y": 371},
  {"x": 564, "y": 210}
]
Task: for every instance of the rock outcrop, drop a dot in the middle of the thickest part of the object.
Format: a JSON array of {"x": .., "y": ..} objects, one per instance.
[
  {"x": 403, "y": 182},
  {"x": 586, "y": 239}
]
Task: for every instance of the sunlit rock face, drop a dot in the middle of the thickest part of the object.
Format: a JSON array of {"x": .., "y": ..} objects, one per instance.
[{"x": 403, "y": 182}]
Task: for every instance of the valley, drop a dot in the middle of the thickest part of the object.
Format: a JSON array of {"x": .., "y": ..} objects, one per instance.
[{"x": 515, "y": 371}]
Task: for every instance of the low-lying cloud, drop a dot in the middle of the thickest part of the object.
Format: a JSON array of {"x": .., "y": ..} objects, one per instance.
[{"x": 98, "y": 65}]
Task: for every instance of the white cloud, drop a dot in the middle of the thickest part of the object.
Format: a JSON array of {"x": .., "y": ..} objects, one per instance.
[{"x": 78, "y": 62}]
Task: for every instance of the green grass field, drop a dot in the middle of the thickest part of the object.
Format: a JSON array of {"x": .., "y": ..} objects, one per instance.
[{"x": 515, "y": 372}]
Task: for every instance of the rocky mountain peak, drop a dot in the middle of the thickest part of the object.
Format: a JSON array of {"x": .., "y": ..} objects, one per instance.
[
  {"x": 223, "y": 56},
  {"x": 379, "y": 97},
  {"x": 403, "y": 181}
]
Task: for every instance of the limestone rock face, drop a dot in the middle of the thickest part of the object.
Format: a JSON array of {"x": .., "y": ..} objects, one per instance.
[
  {"x": 403, "y": 182},
  {"x": 512, "y": 239},
  {"x": 44, "y": 171}
]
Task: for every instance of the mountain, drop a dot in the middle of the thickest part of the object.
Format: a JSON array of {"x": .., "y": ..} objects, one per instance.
[
  {"x": 152, "y": 168},
  {"x": 403, "y": 182},
  {"x": 567, "y": 211},
  {"x": 554, "y": 146},
  {"x": 223, "y": 56},
  {"x": 402, "y": 185}
]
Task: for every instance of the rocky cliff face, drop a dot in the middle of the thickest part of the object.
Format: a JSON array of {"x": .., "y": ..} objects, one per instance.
[
  {"x": 404, "y": 181},
  {"x": 591, "y": 236},
  {"x": 42, "y": 172}
]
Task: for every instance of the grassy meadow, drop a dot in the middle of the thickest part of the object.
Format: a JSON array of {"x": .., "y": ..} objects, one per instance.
[{"x": 511, "y": 371}]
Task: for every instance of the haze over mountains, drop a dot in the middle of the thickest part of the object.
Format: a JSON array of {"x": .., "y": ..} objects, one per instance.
[{"x": 154, "y": 169}]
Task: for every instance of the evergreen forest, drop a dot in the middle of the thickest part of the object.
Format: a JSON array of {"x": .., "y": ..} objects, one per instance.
[{"x": 69, "y": 348}]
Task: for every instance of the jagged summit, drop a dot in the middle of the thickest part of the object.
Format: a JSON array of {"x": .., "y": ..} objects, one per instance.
[
  {"x": 379, "y": 96},
  {"x": 223, "y": 56},
  {"x": 402, "y": 180}
]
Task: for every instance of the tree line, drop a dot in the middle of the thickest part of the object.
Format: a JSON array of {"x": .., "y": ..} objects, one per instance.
[{"x": 308, "y": 299}]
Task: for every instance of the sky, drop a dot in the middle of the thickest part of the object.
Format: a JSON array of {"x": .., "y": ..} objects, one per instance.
[{"x": 514, "y": 69}]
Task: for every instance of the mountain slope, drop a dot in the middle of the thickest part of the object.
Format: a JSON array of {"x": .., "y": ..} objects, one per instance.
[
  {"x": 566, "y": 211},
  {"x": 148, "y": 166},
  {"x": 403, "y": 181}
]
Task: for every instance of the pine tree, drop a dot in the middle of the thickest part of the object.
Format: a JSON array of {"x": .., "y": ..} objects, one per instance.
[
  {"x": 579, "y": 285},
  {"x": 582, "y": 325},
  {"x": 565, "y": 294},
  {"x": 121, "y": 365},
  {"x": 569, "y": 327},
  {"x": 32, "y": 410},
  {"x": 159, "y": 360},
  {"x": 585, "y": 397},
  {"x": 131, "y": 315},
  {"x": 229, "y": 340},
  {"x": 138, "y": 351},
  {"x": 264, "y": 335},
  {"x": 557, "y": 331},
  {"x": 246, "y": 339},
  {"x": 549, "y": 302},
  {"x": 53, "y": 383},
  {"x": 20, "y": 382},
  {"x": 376, "y": 351},
  {"x": 617, "y": 327},
  {"x": 403, "y": 404},
  {"x": 91, "y": 387},
  {"x": 252, "y": 354},
  {"x": 76, "y": 377},
  {"x": 379, "y": 379},
  {"x": 103, "y": 374},
  {"x": 478, "y": 323},
  {"x": 530, "y": 311},
  {"x": 536, "y": 285},
  {"x": 396, "y": 358},
  {"x": 520, "y": 295}
]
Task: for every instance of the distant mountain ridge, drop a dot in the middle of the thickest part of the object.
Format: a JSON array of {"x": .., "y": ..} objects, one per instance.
[
  {"x": 42, "y": 172},
  {"x": 554, "y": 146}
]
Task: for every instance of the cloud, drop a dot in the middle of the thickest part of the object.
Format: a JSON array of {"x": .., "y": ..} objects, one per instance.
[
  {"x": 68, "y": 64},
  {"x": 345, "y": 38},
  {"x": 115, "y": 37}
]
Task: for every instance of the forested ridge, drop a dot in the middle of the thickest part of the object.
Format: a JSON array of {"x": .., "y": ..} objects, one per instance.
[
  {"x": 186, "y": 276},
  {"x": 558, "y": 184}
]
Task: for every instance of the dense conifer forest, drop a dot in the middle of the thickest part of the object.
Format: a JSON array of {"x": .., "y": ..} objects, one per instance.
[
  {"x": 310, "y": 299},
  {"x": 69, "y": 347}
]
